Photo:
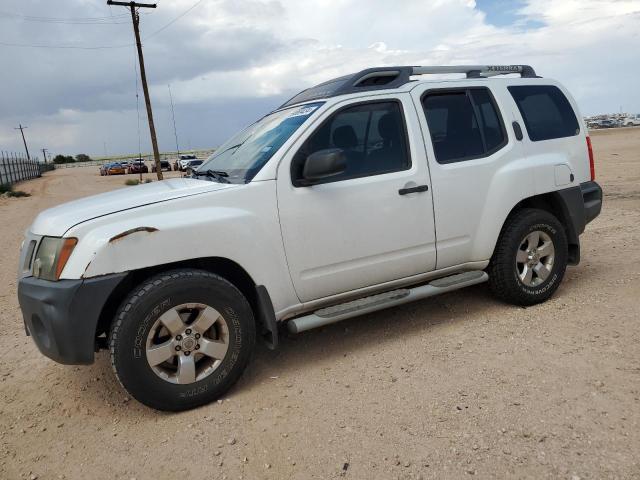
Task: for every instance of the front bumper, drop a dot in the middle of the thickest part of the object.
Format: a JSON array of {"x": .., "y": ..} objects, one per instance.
[{"x": 62, "y": 316}]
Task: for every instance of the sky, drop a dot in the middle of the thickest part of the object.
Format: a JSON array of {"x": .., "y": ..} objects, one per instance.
[{"x": 69, "y": 75}]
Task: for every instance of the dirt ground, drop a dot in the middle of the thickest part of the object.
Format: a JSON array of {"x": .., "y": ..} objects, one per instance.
[{"x": 451, "y": 387}]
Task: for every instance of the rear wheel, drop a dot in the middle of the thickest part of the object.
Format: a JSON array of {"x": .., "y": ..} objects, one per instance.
[
  {"x": 182, "y": 339},
  {"x": 530, "y": 258}
]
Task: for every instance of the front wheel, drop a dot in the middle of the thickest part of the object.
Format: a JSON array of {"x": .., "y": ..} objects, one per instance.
[
  {"x": 530, "y": 258},
  {"x": 181, "y": 339}
]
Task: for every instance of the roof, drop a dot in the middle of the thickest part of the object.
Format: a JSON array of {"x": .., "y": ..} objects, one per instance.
[{"x": 384, "y": 78}]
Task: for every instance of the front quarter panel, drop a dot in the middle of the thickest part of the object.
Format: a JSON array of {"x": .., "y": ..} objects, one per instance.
[{"x": 240, "y": 224}]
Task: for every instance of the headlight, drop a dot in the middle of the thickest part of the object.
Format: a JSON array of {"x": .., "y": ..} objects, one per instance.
[{"x": 52, "y": 256}]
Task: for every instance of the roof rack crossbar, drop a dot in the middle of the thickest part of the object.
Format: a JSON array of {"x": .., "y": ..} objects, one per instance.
[{"x": 476, "y": 71}]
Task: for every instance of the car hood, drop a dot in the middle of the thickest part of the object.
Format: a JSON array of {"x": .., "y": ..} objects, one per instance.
[{"x": 57, "y": 220}]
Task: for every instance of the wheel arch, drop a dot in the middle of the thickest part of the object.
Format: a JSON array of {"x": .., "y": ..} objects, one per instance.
[
  {"x": 566, "y": 205},
  {"x": 256, "y": 295}
]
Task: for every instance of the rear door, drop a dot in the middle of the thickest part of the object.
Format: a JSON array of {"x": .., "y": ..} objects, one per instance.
[
  {"x": 470, "y": 141},
  {"x": 362, "y": 227}
]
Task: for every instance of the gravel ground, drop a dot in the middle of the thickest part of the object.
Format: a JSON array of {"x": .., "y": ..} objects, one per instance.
[{"x": 452, "y": 387}]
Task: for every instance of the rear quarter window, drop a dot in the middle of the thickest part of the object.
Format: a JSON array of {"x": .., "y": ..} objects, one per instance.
[{"x": 546, "y": 112}]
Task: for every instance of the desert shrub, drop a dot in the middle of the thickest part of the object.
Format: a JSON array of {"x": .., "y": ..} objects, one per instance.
[
  {"x": 58, "y": 159},
  {"x": 18, "y": 193},
  {"x": 132, "y": 181},
  {"x": 7, "y": 190}
]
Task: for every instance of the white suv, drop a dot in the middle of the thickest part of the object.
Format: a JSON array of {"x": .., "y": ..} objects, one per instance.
[
  {"x": 631, "y": 120},
  {"x": 362, "y": 193}
]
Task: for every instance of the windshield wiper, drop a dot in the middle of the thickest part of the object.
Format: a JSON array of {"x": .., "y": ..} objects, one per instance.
[
  {"x": 236, "y": 146},
  {"x": 219, "y": 175}
]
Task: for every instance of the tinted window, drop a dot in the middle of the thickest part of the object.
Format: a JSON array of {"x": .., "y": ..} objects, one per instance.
[
  {"x": 464, "y": 124},
  {"x": 372, "y": 136},
  {"x": 488, "y": 120},
  {"x": 546, "y": 112}
]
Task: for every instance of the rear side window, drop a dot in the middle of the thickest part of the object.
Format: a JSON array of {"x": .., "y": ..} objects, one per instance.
[
  {"x": 464, "y": 124},
  {"x": 546, "y": 112},
  {"x": 372, "y": 136}
]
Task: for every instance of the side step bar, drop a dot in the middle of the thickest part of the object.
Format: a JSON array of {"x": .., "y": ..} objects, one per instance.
[{"x": 381, "y": 301}]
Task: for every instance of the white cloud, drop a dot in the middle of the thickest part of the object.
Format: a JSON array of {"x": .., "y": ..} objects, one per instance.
[
  {"x": 581, "y": 43},
  {"x": 242, "y": 57}
]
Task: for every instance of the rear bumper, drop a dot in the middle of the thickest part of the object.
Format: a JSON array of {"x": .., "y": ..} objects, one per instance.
[
  {"x": 592, "y": 200},
  {"x": 62, "y": 316},
  {"x": 579, "y": 205}
]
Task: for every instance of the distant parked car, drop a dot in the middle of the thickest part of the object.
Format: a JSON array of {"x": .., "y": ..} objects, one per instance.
[
  {"x": 183, "y": 162},
  {"x": 138, "y": 166},
  {"x": 603, "y": 123},
  {"x": 191, "y": 166},
  {"x": 115, "y": 169},
  {"x": 631, "y": 120},
  {"x": 164, "y": 165},
  {"x": 608, "y": 123},
  {"x": 103, "y": 169}
]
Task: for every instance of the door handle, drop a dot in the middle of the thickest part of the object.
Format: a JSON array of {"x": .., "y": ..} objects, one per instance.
[{"x": 419, "y": 188}]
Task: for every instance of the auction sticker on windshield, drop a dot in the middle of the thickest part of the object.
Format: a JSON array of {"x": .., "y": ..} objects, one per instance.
[{"x": 303, "y": 111}]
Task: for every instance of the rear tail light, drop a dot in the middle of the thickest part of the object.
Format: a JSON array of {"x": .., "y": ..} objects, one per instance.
[{"x": 592, "y": 167}]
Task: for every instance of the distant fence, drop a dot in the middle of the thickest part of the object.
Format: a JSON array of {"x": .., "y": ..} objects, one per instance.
[{"x": 16, "y": 168}]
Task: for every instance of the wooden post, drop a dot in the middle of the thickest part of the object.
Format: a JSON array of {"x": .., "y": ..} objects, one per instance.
[{"x": 143, "y": 76}]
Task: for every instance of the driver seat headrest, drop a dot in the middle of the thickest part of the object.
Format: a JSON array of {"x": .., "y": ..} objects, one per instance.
[{"x": 345, "y": 137}]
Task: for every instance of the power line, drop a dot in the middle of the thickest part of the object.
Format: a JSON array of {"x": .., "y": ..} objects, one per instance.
[
  {"x": 135, "y": 71},
  {"x": 175, "y": 19},
  {"x": 80, "y": 47},
  {"x": 35, "y": 18},
  {"x": 67, "y": 21},
  {"x": 173, "y": 115},
  {"x": 96, "y": 47}
]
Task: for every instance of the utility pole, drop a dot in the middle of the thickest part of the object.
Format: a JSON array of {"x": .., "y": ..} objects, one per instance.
[
  {"x": 21, "y": 128},
  {"x": 173, "y": 115},
  {"x": 143, "y": 76},
  {"x": 44, "y": 154}
]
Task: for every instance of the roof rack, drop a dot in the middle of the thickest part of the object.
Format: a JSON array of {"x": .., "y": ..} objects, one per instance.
[
  {"x": 477, "y": 71},
  {"x": 393, "y": 77}
]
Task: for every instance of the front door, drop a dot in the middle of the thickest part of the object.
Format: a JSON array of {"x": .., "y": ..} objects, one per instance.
[{"x": 370, "y": 224}]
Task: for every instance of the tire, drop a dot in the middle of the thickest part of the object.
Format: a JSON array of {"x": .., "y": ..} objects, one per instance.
[
  {"x": 522, "y": 278},
  {"x": 213, "y": 359}
]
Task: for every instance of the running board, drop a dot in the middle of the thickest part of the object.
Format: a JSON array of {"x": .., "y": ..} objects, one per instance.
[{"x": 381, "y": 301}]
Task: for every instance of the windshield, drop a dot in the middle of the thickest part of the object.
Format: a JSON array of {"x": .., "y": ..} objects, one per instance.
[{"x": 242, "y": 157}]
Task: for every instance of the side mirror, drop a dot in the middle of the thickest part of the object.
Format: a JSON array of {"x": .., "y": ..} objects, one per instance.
[{"x": 323, "y": 164}]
